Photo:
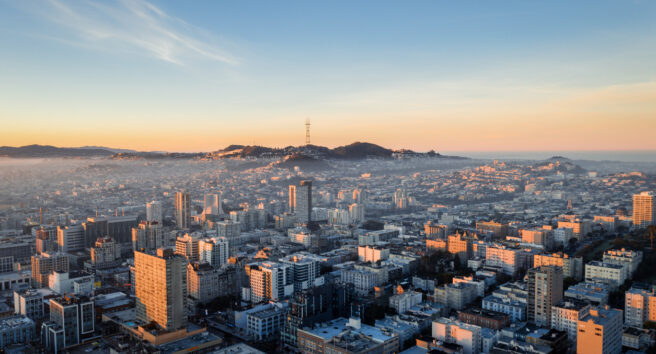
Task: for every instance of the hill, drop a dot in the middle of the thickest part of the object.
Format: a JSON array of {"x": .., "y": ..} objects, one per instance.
[{"x": 30, "y": 151}]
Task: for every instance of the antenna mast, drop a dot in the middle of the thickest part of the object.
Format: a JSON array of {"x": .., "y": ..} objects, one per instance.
[{"x": 307, "y": 131}]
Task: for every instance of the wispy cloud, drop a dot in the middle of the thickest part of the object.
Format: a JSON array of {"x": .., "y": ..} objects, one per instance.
[{"x": 132, "y": 26}]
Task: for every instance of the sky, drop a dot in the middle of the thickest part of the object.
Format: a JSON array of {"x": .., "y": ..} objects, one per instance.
[{"x": 442, "y": 75}]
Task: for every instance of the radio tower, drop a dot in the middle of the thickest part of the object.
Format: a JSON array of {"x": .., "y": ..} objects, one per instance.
[{"x": 307, "y": 131}]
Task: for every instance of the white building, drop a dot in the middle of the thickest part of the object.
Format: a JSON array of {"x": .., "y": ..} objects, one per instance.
[
  {"x": 563, "y": 235},
  {"x": 566, "y": 315},
  {"x": 214, "y": 251},
  {"x": 479, "y": 285},
  {"x": 455, "y": 296},
  {"x": 453, "y": 331},
  {"x": 504, "y": 258},
  {"x": 265, "y": 323},
  {"x": 631, "y": 259},
  {"x": 612, "y": 274},
  {"x": 363, "y": 280},
  {"x": 403, "y": 302}
]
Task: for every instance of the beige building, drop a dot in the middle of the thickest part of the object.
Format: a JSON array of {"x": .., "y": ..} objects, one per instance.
[
  {"x": 644, "y": 210},
  {"x": 600, "y": 332},
  {"x": 46, "y": 263},
  {"x": 372, "y": 253},
  {"x": 572, "y": 266},
  {"x": 499, "y": 230},
  {"x": 161, "y": 288},
  {"x": 187, "y": 246},
  {"x": 545, "y": 289},
  {"x": 460, "y": 245},
  {"x": 105, "y": 253}
]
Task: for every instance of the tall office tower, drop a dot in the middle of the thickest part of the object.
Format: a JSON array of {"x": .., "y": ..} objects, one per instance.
[
  {"x": 545, "y": 289},
  {"x": 401, "y": 198},
  {"x": 70, "y": 238},
  {"x": 71, "y": 319},
  {"x": 160, "y": 282},
  {"x": 148, "y": 236},
  {"x": 183, "y": 210},
  {"x": 212, "y": 204},
  {"x": 300, "y": 201},
  {"x": 600, "y": 332},
  {"x": 154, "y": 211},
  {"x": 214, "y": 251},
  {"x": 105, "y": 253},
  {"x": 270, "y": 281},
  {"x": 46, "y": 263},
  {"x": 187, "y": 246},
  {"x": 644, "y": 209},
  {"x": 356, "y": 212},
  {"x": 360, "y": 196}
]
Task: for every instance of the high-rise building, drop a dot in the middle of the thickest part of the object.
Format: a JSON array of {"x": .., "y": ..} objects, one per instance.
[
  {"x": 600, "y": 332},
  {"x": 154, "y": 211},
  {"x": 44, "y": 264},
  {"x": 161, "y": 288},
  {"x": 644, "y": 209},
  {"x": 214, "y": 251},
  {"x": 639, "y": 306},
  {"x": 212, "y": 204},
  {"x": 70, "y": 238},
  {"x": 545, "y": 289},
  {"x": 270, "y": 281},
  {"x": 148, "y": 235},
  {"x": 300, "y": 201},
  {"x": 401, "y": 199},
  {"x": 183, "y": 210},
  {"x": 356, "y": 212},
  {"x": 71, "y": 319}
]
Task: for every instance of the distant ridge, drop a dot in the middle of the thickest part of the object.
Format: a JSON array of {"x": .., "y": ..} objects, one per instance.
[
  {"x": 307, "y": 153},
  {"x": 31, "y": 151}
]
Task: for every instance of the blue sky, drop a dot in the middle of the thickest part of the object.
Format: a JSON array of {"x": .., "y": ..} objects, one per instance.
[{"x": 504, "y": 75}]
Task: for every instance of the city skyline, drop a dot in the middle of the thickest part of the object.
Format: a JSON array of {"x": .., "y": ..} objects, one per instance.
[{"x": 443, "y": 76}]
